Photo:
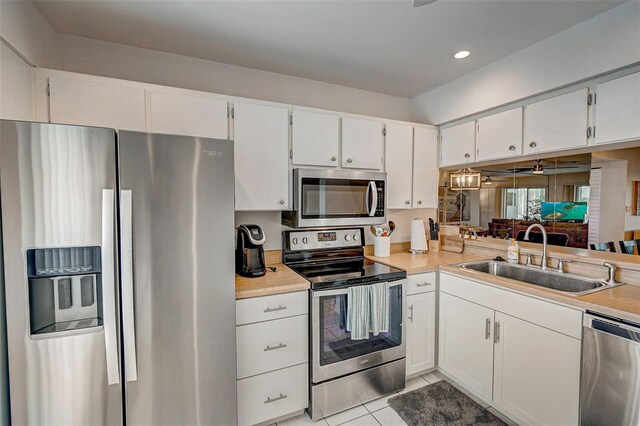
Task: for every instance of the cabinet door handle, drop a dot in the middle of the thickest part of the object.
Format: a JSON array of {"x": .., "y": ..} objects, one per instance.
[
  {"x": 512, "y": 147},
  {"x": 349, "y": 160},
  {"x": 277, "y": 398},
  {"x": 273, "y": 348},
  {"x": 333, "y": 158},
  {"x": 487, "y": 329},
  {"x": 281, "y": 201},
  {"x": 419, "y": 202},
  {"x": 411, "y": 314},
  {"x": 407, "y": 202},
  {"x": 423, "y": 284},
  {"x": 496, "y": 337},
  {"x": 279, "y": 308},
  {"x": 533, "y": 144},
  {"x": 467, "y": 155}
]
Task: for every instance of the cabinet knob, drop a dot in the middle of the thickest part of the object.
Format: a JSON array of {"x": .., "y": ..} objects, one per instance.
[
  {"x": 419, "y": 202},
  {"x": 349, "y": 160},
  {"x": 281, "y": 201},
  {"x": 533, "y": 144},
  {"x": 333, "y": 158},
  {"x": 512, "y": 147},
  {"x": 467, "y": 155},
  {"x": 407, "y": 202}
]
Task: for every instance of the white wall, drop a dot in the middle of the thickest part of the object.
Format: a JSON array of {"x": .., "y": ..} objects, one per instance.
[
  {"x": 16, "y": 97},
  {"x": 605, "y": 42},
  {"x": 613, "y": 195},
  {"x": 25, "y": 29},
  {"x": 270, "y": 223}
]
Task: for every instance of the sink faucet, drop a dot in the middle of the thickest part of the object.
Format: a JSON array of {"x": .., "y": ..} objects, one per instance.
[
  {"x": 612, "y": 273},
  {"x": 543, "y": 262}
]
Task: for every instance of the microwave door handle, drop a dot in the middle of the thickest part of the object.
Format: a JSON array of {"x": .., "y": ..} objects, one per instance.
[{"x": 372, "y": 189}]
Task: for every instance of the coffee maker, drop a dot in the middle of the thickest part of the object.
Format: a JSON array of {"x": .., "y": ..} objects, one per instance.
[{"x": 250, "y": 251}]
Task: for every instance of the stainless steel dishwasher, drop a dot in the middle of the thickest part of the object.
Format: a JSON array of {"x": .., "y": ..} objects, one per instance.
[{"x": 610, "y": 387}]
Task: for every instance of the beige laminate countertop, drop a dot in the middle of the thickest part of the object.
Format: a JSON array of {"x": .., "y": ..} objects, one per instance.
[
  {"x": 284, "y": 280},
  {"x": 419, "y": 263},
  {"x": 622, "y": 302}
]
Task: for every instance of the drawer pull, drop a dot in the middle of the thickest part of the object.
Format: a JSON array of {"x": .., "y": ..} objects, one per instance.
[
  {"x": 424, "y": 284},
  {"x": 273, "y": 348},
  {"x": 279, "y": 308},
  {"x": 277, "y": 398}
]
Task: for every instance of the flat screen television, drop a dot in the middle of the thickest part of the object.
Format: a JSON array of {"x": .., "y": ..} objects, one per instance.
[{"x": 564, "y": 211}]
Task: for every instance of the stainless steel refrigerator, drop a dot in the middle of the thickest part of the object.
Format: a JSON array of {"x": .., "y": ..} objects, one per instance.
[{"x": 119, "y": 276}]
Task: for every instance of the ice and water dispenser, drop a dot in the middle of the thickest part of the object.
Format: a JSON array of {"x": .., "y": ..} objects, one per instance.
[{"x": 65, "y": 289}]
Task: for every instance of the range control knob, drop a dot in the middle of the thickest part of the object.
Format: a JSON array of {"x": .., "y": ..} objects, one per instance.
[
  {"x": 305, "y": 240},
  {"x": 347, "y": 237},
  {"x": 356, "y": 237},
  {"x": 294, "y": 241}
]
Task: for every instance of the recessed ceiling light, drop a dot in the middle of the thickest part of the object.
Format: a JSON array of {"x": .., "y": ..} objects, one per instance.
[{"x": 462, "y": 54}]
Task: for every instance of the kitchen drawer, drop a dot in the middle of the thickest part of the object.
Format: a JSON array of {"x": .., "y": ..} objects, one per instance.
[
  {"x": 546, "y": 314},
  {"x": 270, "y": 345},
  {"x": 266, "y": 308},
  {"x": 272, "y": 395},
  {"x": 421, "y": 283}
]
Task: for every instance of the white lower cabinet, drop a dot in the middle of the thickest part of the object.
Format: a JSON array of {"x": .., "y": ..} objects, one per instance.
[
  {"x": 465, "y": 347},
  {"x": 273, "y": 357},
  {"x": 528, "y": 371},
  {"x": 421, "y": 327},
  {"x": 536, "y": 373},
  {"x": 273, "y": 395}
]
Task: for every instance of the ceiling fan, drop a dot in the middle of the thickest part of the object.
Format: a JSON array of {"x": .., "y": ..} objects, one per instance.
[{"x": 418, "y": 3}]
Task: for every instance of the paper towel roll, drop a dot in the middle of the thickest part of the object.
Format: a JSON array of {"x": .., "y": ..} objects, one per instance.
[{"x": 418, "y": 237}]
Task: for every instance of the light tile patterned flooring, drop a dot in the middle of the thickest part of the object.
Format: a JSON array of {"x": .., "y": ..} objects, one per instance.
[{"x": 378, "y": 412}]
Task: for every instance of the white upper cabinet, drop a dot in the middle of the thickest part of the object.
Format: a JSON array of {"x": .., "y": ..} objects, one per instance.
[
  {"x": 618, "y": 109},
  {"x": 398, "y": 154},
  {"x": 184, "y": 114},
  {"x": 315, "y": 138},
  {"x": 89, "y": 102},
  {"x": 500, "y": 135},
  {"x": 261, "y": 140},
  {"x": 362, "y": 143},
  {"x": 16, "y": 86},
  {"x": 425, "y": 167},
  {"x": 458, "y": 144},
  {"x": 557, "y": 123}
]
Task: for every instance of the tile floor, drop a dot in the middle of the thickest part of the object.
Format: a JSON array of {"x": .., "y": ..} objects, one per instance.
[{"x": 378, "y": 412}]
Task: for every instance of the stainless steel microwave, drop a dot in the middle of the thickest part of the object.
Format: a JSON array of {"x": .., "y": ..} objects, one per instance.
[{"x": 336, "y": 198}]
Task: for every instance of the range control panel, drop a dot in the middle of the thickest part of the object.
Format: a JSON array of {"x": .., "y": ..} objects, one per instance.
[{"x": 324, "y": 239}]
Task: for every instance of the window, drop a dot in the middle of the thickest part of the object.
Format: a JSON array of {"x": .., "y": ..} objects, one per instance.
[
  {"x": 523, "y": 203},
  {"x": 582, "y": 193}
]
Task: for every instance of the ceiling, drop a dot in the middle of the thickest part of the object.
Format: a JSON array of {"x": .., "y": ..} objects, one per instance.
[{"x": 383, "y": 46}]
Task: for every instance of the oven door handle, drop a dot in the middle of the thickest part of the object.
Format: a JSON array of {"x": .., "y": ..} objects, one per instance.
[
  {"x": 373, "y": 204},
  {"x": 322, "y": 293}
]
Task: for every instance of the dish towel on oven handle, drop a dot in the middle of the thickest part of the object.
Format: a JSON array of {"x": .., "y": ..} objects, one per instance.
[
  {"x": 358, "y": 312},
  {"x": 379, "y": 296},
  {"x": 368, "y": 310}
]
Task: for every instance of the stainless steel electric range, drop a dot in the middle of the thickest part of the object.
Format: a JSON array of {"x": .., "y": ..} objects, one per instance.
[{"x": 346, "y": 372}]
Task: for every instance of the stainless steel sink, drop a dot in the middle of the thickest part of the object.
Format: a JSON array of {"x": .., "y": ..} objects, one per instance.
[{"x": 570, "y": 284}]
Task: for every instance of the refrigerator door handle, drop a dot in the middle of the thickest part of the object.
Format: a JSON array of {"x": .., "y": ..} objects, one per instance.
[
  {"x": 128, "y": 319},
  {"x": 108, "y": 287}
]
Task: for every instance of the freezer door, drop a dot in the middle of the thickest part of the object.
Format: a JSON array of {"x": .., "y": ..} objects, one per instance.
[
  {"x": 178, "y": 279},
  {"x": 58, "y": 190}
]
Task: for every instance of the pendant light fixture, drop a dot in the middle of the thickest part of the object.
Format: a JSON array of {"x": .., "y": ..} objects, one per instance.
[
  {"x": 465, "y": 179},
  {"x": 538, "y": 168}
]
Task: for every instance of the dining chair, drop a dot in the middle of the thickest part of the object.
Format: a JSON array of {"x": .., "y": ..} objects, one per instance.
[
  {"x": 629, "y": 246},
  {"x": 610, "y": 246}
]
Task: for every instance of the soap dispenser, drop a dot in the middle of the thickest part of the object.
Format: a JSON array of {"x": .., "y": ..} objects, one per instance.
[{"x": 513, "y": 252}]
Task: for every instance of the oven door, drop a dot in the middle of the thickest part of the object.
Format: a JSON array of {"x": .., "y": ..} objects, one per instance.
[
  {"x": 339, "y": 198},
  {"x": 334, "y": 354}
]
